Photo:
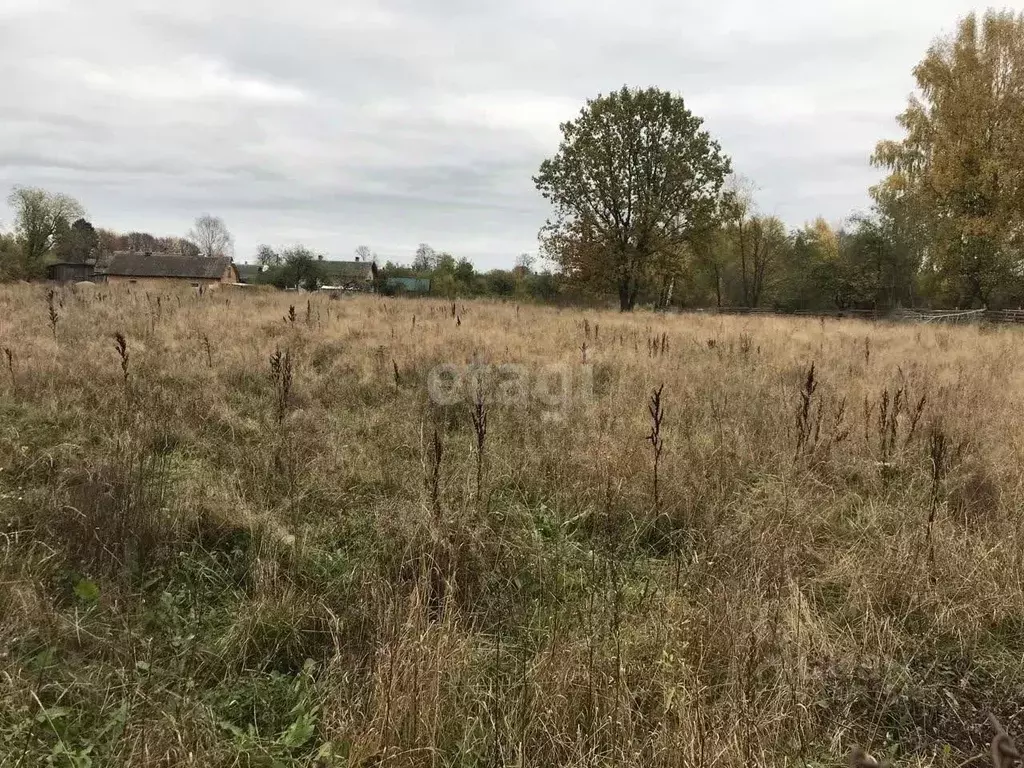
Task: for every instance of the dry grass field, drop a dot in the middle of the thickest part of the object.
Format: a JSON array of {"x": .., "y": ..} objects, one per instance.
[{"x": 247, "y": 536}]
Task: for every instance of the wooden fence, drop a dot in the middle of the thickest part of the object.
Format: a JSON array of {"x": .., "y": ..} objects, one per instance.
[{"x": 1013, "y": 316}]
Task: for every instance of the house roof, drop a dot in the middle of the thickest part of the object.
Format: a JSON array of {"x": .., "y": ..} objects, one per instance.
[
  {"x": 348, "y": 270},
  {"x": 127, "y": 264}
]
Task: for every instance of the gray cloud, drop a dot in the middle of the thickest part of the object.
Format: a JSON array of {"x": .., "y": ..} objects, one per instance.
[{"x": 399, "y": 121}]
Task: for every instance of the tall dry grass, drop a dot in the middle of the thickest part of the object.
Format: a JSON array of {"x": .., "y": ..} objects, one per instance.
[{"x": 235, "y": 534}]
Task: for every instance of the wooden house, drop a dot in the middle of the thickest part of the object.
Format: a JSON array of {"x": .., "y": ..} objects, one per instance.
[
  {"x": 348, "y": 275},
  {"x": 160, "y": 270}
]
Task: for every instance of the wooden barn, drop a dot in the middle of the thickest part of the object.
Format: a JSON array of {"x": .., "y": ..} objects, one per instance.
[{"x": 71, "y": 271}]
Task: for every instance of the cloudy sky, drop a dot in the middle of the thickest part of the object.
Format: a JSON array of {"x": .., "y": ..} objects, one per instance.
[{"x": 337, "y": 123}]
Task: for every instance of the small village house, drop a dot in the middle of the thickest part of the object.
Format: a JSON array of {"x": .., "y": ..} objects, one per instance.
[
  {"x": 160, "y": 270},
  {"x": 348, "y": 275}
]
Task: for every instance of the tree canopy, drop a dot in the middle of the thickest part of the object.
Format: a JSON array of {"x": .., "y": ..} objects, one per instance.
[
  {"x": 635, "y": 175},
  {"x": 76, "y": 243},
  {"x": 959, "y": 170},
  {"x": 39, "y": 218}
]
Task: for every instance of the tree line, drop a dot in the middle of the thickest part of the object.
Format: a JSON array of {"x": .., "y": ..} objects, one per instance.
[
  {"x": 646, "y": 205},
  {"x": 448, "y": 277}
]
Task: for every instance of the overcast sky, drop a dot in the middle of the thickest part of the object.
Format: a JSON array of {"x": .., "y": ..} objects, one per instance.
[{"x": 337, "y": 123}]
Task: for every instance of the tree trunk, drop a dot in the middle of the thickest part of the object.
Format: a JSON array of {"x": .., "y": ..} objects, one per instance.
[
  {"x": 759, "y": 263},
  {"x": 625, "y": 296},
  {"x": 743, "y": 263}
]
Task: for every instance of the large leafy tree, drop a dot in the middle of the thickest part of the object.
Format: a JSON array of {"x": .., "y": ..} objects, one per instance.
[
  {"x": 635, "y": 177},
  {"x": 39, "y": 217},
  {"x": 960, "y": 167}
]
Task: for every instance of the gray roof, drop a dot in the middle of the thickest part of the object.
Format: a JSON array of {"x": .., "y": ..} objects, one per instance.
[
  {"x": 127, "y": 264},
  {"x": 348, "y": 270}
]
